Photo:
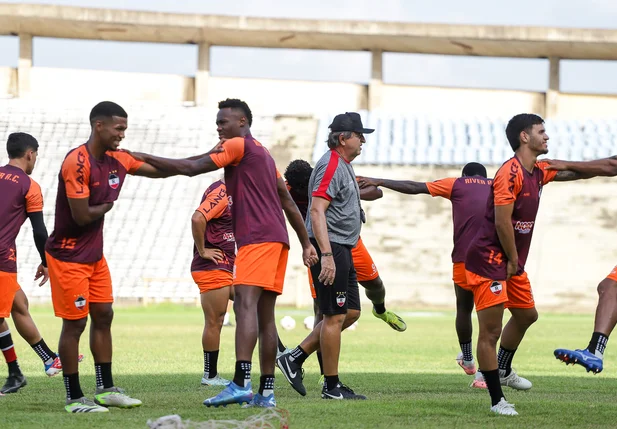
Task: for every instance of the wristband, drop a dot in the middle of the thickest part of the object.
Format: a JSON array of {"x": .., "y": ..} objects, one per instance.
[{"x": 326, "y": 254}]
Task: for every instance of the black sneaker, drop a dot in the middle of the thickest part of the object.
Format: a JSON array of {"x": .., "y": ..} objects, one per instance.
[
  {"x": 14, "y": 382},
  {"x": 340, "y": 392},
  {"x": 293, "y": 372}
]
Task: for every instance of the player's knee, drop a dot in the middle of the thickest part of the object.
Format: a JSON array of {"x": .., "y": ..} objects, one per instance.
[
  {"x": 215, "y": 319},
  {"x": 607, "y": 286},
  {"x": 351, "y": 317},
  {"x": 74, "y": 327},
  {"x": 102, "y": 317}
]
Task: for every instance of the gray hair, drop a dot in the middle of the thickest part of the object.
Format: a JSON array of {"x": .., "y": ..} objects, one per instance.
[{"x": 333, "y": 138}]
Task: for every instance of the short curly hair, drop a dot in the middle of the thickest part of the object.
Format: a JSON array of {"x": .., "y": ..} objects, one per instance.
[
  {"x": 298, "y": 173},
  {"x": 234, "y": 103}
]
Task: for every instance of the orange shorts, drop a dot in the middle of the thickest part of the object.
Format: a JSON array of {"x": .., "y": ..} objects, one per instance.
[
  {"x": 263, "y": 265},
  {"x": 8, "y": 289},
  {"x": 514, "y": 293},
  {"x": 459, "y": 276},
  {"x": 212, "y": 279},
  {"x": 613, "y": 275},
  {"x": 363, "y": 263},
  {"x": 75, "y": 285}
]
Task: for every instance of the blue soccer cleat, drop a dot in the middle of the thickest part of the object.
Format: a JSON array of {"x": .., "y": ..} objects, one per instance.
[
  {"x": 232, "y": 394},
  {"x": 260, "y": 401},
  {"x": 581, "y": 357}
]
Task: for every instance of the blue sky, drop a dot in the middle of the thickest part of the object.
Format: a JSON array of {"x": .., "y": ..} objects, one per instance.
[{"x": 576, "y": 76}]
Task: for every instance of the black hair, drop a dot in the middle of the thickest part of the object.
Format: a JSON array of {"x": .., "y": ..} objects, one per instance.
[
  {"x": 474, "y": 169},
  {"x": 234, "y": 103},
  {"x": 519, "y": 123},
  {"x": 298, "y": 173},
  {"x": 107, "y": 109},
  {"x": 18, "y": 144}
]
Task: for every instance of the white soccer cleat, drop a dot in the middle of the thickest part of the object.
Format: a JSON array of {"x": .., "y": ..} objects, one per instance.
[
  {"x": 504, "y": 408},
  {"x": 217, "y": 380},
  {"x": 513, "y": 380},
  {"x": 115, "y": 397},
  {"x": 468, "y": 366}
]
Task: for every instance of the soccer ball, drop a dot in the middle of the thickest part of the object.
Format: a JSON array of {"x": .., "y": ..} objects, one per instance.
[
  {"x": 288, "y": 323},
  {"x": 309, "y": 321}
]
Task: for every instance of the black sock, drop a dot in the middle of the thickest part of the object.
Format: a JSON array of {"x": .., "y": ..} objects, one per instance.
[
  {"x": 73, "y": 389},
  {"x": 14, "y": 368},
  {"x": 597, "y": 345},
  {"x": 298, "y": 355},
  {"x": 281, "y": 346},
  {"x": 242, "y": 376},
  {"x": 320, "y": 360},
  {"x": 494, "y": 385},
  {"x": 380, "y": 308},
  {"x": 46, "y": 355},
  {"x": 504, "y": 359},
  {"x": 466, "y": 349},
  {"x": 266, "y": 385},
  {"x": 103, "y": 375},
  {"x": 331, "y": 381},
  {"x": 211, "y": 363}
]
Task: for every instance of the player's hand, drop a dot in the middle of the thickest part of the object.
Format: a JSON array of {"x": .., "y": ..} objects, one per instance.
[
  {"x": 328, "y": 270},
  {"x": 214, "y": 255},
  {"x": 42, "y": 271},
  {"x": 309, "y": 256},
  {"x": 556, "y": 164},
  {"x": 365, "y": 182},
  {"x": 511, "y": 268},
  {"x": 218, "y": 148}
]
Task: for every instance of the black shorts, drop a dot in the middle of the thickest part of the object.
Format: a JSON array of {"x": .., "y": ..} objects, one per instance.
[{"x": 344, "y": 293}]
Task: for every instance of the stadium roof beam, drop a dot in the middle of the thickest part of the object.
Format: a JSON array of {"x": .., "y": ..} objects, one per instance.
[{"x": 446, "y": 39}]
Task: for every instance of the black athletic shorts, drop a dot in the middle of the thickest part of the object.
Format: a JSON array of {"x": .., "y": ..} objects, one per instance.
[{"x": 344, "y": 293}]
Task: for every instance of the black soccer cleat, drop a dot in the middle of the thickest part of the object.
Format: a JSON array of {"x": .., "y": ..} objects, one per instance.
[
  {"x": 293, "y": 372},
  {"x": 340, "y": 392},
  {"x": 13, "y": 383}
]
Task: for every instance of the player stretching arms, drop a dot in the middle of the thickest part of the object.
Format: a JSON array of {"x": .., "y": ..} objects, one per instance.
[
  {"x": 90, "y": 180},
  {"x": 21, "y": 199},
  {"x": 592, "y": 357},
  {"x": 468, "y": 196},
  {"x": 214, "y": 254},
  {"x": 258, "y": 197},
  {"x": 495, "y": 259}
]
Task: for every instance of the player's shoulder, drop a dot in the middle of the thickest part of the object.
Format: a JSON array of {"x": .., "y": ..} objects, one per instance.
[
  {"x": 217, "y": 186},
  {"x": 78, "y": 156},
  {"x": 509, "y": 170}
]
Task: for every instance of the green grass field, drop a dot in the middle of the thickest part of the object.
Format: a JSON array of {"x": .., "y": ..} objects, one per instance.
[{"x": 411, "y": 378}]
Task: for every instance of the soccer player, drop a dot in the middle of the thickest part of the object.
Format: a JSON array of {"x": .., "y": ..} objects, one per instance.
[
  {"x": 468, "y": 195},
  {"x": 495, "y": 259},
  {"x": 21, "y": 199},
  {"x": 334, "y": 222},
  {"x": 258, "y": 196},
  {"x": 592, "y": 357},
  {"x": 89, "y": 183},
  {"x": 214, "y": 254}
]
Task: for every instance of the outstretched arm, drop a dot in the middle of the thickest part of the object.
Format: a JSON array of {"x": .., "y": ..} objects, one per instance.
[
  {"x": 370, "y": 193},
  {"x": 574, "y": 170},
  {"x": 404, "y": 186},
  {"x": 309, "y": 255}
]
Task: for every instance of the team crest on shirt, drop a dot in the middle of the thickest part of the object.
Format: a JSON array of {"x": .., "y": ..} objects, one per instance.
[
  {"x": 80, "y": 302},
  {"x": 114, "y": 180},
  {"x": 496, "y": 288},
  {"x": 340, "y": 299},
  {"x": 229, "y": 236}
]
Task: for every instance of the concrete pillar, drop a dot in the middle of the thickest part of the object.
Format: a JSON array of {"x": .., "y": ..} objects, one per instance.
[
  {"x": 203, "y": 74},
  {"x": 552, "y": 94},
  {"x": 375, "y": 86},
  {"x": 24, "y": 65}
]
